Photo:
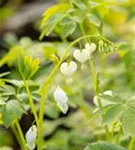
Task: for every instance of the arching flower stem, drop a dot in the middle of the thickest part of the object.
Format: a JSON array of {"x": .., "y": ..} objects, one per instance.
[{"x": 48, "y": 83}]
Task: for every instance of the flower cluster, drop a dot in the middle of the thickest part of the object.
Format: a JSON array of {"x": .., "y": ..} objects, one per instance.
[{"x": 68, "y": 69}]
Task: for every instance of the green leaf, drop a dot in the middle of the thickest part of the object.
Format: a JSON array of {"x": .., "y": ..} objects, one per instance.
[
  {"x": 11, "y": 56},
  {"x": 131, "y": 101},
  {"x": 50, "y": 24},
  {"x": 66, "y": 27},
  {"x": 27, "y": 66},
  {"x": 4, "y": 74},
  {"x": 57, "y": 9},
  {"x": 112, "y": 113},
  {"x": 94, "y": 19},
  {"x": 79, "y": 4},
  {"x": 128, "y": 121},
  {"x": 11, "y": 111},
  {"x": 102, "y": 10},
  {"x": 7, "y": 90},
  {"x": 114, "y": 98},
  {"x": 103, "y": 146}
]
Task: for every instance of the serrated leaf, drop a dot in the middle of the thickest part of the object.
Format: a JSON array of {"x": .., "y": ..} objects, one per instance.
[
  {"x": 27, "y": 66},
  {"x": 128, "y": 121},
  {"x": 12, "y": 110},
  {"x": 103, "y": 146},
  {"x": 11, "y": 56},
  {"x": 94, "y": 19},
  {"x": 112, "y": 113}
]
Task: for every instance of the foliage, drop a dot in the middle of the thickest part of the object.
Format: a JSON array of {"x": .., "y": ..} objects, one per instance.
[{"x": 79, "y": 89}]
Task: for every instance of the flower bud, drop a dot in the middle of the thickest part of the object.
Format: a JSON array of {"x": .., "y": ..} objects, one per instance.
[
  {"x": 31, "y": 136},
  {"x": 61, "y": 99}
]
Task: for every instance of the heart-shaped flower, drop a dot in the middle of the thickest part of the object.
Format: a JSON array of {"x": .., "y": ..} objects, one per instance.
[
  {"x": 90, "y": 47},
  {"x": 68, "y": 69},
  {"x": 61, "y": 99},
  {"x": 81, "y": 56}
]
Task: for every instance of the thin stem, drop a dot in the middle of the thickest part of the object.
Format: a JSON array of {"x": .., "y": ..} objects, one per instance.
[
  {"x": 132, "y": 144},
  {"x": 22, "y": 139},
  {"x": 17, "y": 136},
  {"x": 29, "y": 95},
  {"x": 47, "y": 84},
  {"x": 83, "y": 32},
  {"x": 96, "y": 87},
  {"x": 31, "y": 101},
  {"x": 118, "y": 136}
]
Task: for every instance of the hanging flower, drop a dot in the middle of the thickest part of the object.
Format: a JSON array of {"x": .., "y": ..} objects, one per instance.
[
  {"x": 68, "y": 69},
  {"x": 90, "y": 47},
  {"x": 61, "y": 99},
  {"x": 81, "y": 56},
  {"x": 31, "y": 136}
]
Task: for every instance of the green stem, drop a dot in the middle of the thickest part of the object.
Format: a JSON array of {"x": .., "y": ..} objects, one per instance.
[
  {"x": 47, "y": 84},
  {"x": 132, "y": 144},
  {"x": 118, "y": 136},
  {"x": 17, "y": 136},
  {"x": 29, "y": 95},
  {"x": 22, "y": 139},
  {"x": 31, "y": 101},
  {"x": 96, "y": 87}
]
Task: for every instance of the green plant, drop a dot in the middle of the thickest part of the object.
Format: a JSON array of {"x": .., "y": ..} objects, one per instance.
[{"x": 81, "y": 21}]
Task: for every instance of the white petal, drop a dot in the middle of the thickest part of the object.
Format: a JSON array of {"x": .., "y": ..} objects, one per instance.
[
  {"x": 73, "y": 66},
  {"x": 31, "y": 146},
  {"x": 31, "y": 134},
  {"x": 60, "y": 96},
  {"x": 68, "y": 69},
  {"x": 64, "y": 107},
  {"x": 61, "y": 99},
  {"x": 108, "y": 92},
  {"x": 81, "y": 56},
  {"x": 63, "y": 68},
  {"x": 91, "y": 47}
]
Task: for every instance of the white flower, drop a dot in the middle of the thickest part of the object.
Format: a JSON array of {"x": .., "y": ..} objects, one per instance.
[
  {"x": 61, "y": 99},
  {"x": 68, "y": 69},
  {"x": 81, "y": 56},
  {"x": 108, "y": 92},
  {"x": 90, "y": 47},
  {"x": 31, "y": 136}
]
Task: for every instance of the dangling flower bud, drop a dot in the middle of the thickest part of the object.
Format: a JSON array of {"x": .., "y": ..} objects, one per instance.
[
  {"x": 31, "y": 136},
  {"x": 108, "y": 92},
  {"x": 61, "y": 99},
  {"x": 90, "y": 47},
  {"x": 68, "y": 69},
  {"x": 81, "y": 56}
]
